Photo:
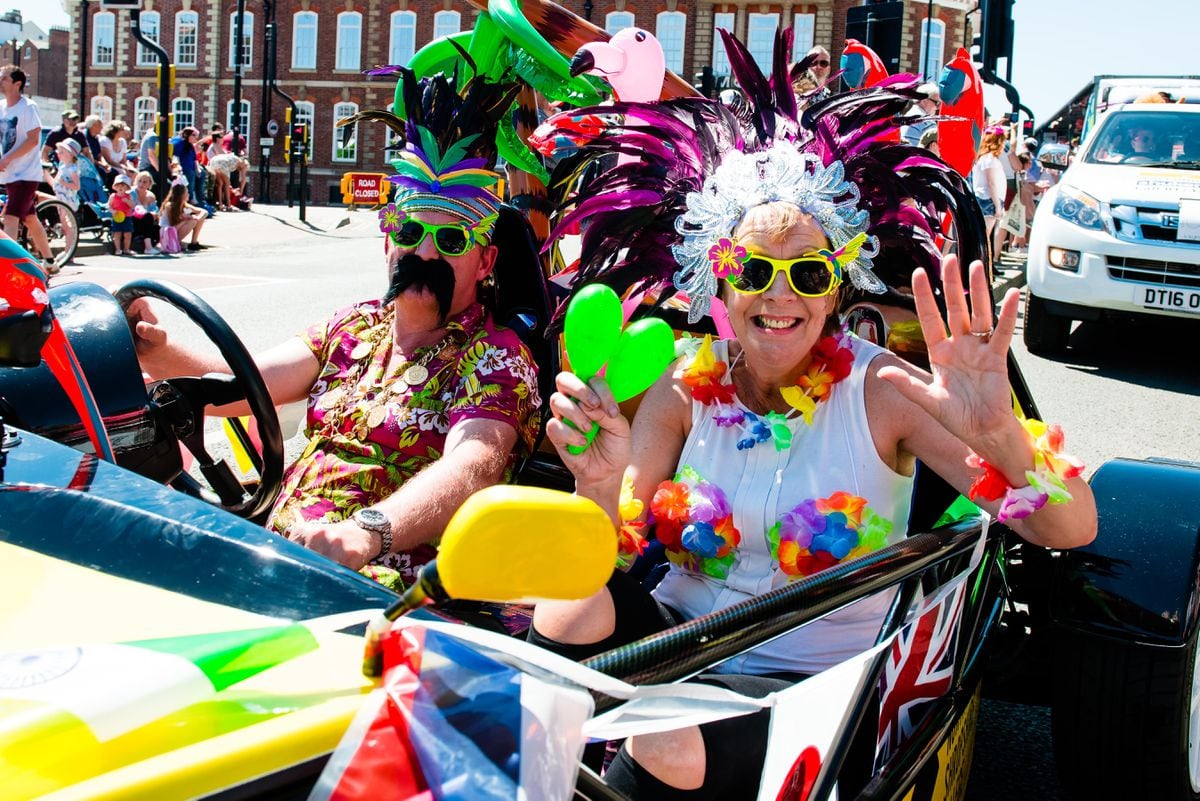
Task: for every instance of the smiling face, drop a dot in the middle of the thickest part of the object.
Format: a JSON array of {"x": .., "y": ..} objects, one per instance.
[{"x": 778, "y": 328}]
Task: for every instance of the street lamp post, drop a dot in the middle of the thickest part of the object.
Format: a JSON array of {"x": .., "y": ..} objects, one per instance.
[{"x": 164, "y": 99}]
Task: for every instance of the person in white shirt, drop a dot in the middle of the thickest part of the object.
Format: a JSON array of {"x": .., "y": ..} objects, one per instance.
[{"x": 21, "y": 161}]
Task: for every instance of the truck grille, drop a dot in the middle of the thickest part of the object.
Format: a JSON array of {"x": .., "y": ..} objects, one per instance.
[{"x": 1151, "y": 271}]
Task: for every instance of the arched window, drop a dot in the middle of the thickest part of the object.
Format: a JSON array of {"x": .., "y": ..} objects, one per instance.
[
  {"x": 933, "y": 49},
  {"x": 802, "y": 34},
  {"x": 145, "y": 114},
  {"x": 669, "y": 30},
  {"x": 247, "y": 39},
  {"x": 243, "y": 123},
  {"x": 149, "y": 24},
  {"x": 720, "y": 61},
  {"x": 345, "y": 141},
  {"x": 103, "y": 38},
  {"x": 307, "y": 114},
  {"x": 446, "y": 23},
  {"x": 403, "y": 41},
  {"x": 349, "y": 41},
  {"x": 304, "y": 40},
  {"x": 184, "y": 111},
  {"x": 760, "y": 38},
  {"x": 187, "y": 23},
  {"x": 617, "y": 20},
  {"x": 102, "y": 107}
]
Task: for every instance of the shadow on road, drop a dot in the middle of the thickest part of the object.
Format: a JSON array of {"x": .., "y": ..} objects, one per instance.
[{"x": 1158, "y": 353}]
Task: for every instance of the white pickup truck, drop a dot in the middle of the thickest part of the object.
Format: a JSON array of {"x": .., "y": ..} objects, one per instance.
[{"x": 1120, "y": 232}]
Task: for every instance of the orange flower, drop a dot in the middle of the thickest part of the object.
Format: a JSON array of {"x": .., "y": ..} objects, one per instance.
[{"x": 849, "y": 505}]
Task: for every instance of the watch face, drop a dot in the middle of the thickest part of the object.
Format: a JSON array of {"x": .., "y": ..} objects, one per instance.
[{"x": 372, "y": 517}]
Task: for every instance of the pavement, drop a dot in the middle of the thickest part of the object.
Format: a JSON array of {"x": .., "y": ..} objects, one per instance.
[{"x": 1010, "y": 273}]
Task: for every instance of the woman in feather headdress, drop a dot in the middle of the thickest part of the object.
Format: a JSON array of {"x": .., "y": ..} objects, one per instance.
[
  {"x": 791, "y": 447},
  {"x": 416, "y": 399}
]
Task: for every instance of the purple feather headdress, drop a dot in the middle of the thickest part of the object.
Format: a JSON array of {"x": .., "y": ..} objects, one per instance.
[{"x": 676, "y": 177}]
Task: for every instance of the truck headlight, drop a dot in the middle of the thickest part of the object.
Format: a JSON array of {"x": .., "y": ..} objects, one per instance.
[{"x": 1078, "y": 207}]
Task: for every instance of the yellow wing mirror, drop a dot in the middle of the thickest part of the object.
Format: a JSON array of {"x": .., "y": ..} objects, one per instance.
[{"x": 510, "y": 545}]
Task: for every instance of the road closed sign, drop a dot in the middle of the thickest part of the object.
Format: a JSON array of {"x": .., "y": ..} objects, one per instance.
[{"x": 365, "y": 188}]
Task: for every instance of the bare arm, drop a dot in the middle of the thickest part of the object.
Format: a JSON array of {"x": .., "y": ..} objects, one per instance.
[
  {"x": 475, "y": 456},
  {"x": 30, "y": 143},
  {"x": 289, "y": 369},
  {"x": 967, "y": 403},
  {"x": 903, "y": 431}
]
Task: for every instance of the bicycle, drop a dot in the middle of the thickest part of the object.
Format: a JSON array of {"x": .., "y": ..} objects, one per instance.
[{"x": 58, "y": 221}]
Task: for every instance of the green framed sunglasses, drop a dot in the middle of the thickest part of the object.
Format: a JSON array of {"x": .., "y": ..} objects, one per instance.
[{"x": 450, "y": 239}]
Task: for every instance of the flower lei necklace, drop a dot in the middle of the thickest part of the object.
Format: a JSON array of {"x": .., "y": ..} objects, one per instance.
[{"x": 830, "y": 364}]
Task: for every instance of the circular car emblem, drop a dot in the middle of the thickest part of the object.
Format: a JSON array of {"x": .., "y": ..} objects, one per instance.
[{"x": 30, "y": 668}]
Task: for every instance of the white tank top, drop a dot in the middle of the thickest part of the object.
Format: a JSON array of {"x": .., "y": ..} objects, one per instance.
[{"x": 836, "y": 453}]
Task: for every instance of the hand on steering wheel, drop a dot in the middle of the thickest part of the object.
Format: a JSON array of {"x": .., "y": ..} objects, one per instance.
[{"x": 181, "y": 401}]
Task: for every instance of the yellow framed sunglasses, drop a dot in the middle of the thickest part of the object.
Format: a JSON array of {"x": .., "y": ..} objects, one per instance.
[{"x": 810, "y": 275}]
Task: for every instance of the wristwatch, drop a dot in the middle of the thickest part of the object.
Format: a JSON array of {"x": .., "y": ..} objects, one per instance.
[{"x": 377, "y": 521}]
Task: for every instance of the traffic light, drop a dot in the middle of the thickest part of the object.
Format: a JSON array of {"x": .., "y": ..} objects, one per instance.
[
  {"x": 1027, "y": 129},
  {"x": 996, "y": 32},
  {"x": 706, "y": 82},
  {"x": 297, "y": 139}
]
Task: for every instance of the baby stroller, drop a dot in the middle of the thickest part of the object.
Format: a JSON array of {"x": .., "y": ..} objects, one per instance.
[{"x": 93, "y": 214}]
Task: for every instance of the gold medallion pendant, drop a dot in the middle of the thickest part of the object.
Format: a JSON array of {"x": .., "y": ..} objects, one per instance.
[
  {"x": 398, "y": 387},
  {"x": 362, "y": 350},
  {"x": 377, "y": 416},
  {"x": 332, "y": 399},
  {"x": 415, "y": 374}
]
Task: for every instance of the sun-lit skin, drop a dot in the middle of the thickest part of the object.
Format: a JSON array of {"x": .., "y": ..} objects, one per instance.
[
  {"x": 417, "y": 323},
  {"x": 776, "y": 328}
]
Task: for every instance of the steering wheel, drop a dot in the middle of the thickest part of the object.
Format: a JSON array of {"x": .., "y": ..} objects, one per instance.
[
  {"x": 180, "y": 403},
  {"x": 1136, "y": 158}
]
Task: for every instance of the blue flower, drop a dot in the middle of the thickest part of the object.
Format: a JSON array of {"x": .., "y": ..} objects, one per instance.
[{"x": 701, "y": 539}]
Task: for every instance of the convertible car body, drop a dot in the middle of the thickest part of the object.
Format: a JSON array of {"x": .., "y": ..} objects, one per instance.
[{"x": 112, "y": 577}]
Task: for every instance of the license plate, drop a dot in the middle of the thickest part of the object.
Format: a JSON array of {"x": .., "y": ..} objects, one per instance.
[{"x": 1182, "y": 300}]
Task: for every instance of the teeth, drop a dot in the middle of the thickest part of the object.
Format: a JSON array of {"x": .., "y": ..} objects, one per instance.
[{"x": 767, "y": 322}]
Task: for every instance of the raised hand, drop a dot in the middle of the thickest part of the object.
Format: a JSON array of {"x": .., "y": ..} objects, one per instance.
[
  {"x": 580, "y": 404},
  {"x": 970, "y": 393}
]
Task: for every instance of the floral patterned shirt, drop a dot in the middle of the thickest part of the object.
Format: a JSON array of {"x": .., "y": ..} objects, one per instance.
[{"x": 483, "y": 372}]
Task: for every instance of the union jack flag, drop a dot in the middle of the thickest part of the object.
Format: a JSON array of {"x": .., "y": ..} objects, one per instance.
[{"x": 919, "y": 669}]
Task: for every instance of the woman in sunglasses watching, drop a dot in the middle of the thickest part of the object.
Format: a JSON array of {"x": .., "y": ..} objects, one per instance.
[
  {"x": 415, "y": 400},
  {"x": 790, "y": 447}
]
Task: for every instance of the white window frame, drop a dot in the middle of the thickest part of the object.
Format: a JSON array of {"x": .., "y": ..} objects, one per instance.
[
  {"x": 803, "y": 35},
  {"x": 720, "y": 59},
  {"x": 145, "y": 56},
  {"x": 247, "y": 39},
  {"x": 104, "y": 38},
  {"x": 306, "y": 112},
  {"x": 938, "y": 29},
  {"x": 441, "y": 23},
  {"x": 304, "y": 58},
  {"x": 186, "y": 53},
  {"x": 179, "y": 114},
  {"x": 673, "y": 44},
  {"x": 102, "y": 107},
  {"x": 145, "y": 114},
  {"x": 618, "y": 21},
  {"x": 349, "y": 41},
  {"x": 349, "y": 154},
  {"x": 402, "y": 37},
  {"x": 760, "y": 40},
  {"x": 245, "y": 129}
]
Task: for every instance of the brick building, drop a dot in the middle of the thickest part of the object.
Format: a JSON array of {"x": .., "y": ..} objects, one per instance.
[
  {"x": 322, "y": 46},
  {"x": 43, "y": 57}
]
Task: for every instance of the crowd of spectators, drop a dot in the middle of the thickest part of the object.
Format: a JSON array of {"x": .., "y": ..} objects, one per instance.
[{"x": 115, "y": 174}]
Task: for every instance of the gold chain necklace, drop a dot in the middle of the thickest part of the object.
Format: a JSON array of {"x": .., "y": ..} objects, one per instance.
[{"x": 353, "y": 391}]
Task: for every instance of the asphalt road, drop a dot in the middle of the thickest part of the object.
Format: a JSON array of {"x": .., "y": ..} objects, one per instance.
[{"x": 1120, "y": 390}]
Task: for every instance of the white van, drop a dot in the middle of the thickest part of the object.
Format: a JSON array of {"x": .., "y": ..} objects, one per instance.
[{"x": 1120, "y": 232}]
